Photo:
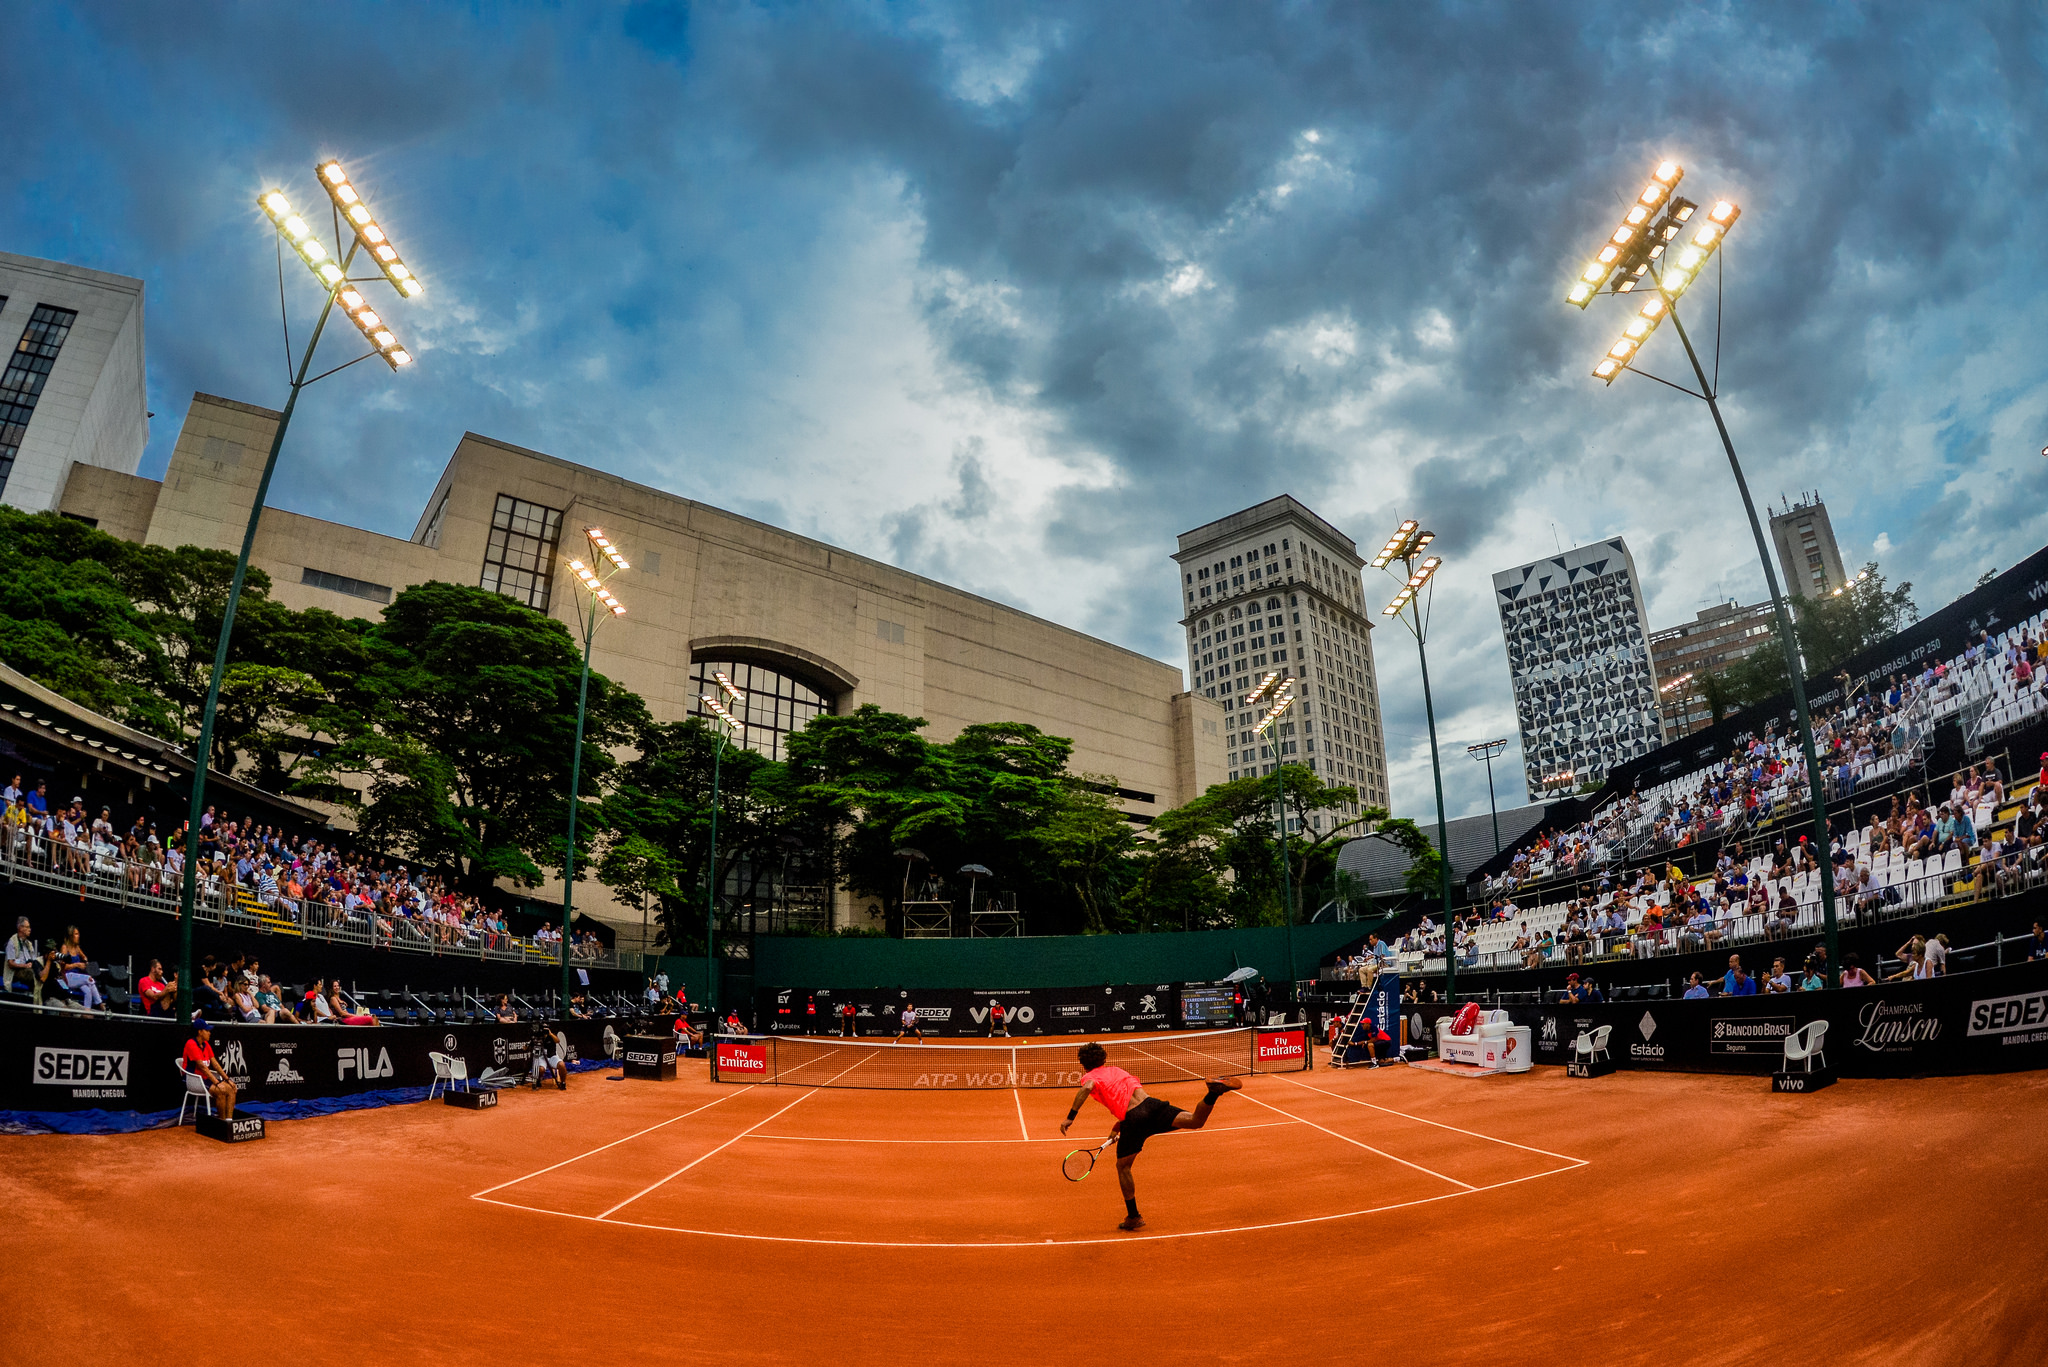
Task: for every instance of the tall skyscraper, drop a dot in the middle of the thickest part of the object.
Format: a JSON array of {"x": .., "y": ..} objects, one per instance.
[
  {"x": 1274, "y": 588},
  {"x": 1807, "y": 554},
  {"x": 1579, "y": 655},
  {"x": 71, "y": 389}
]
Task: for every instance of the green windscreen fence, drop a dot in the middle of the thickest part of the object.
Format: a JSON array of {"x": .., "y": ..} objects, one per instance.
[{"x": 1043, "y": 961}]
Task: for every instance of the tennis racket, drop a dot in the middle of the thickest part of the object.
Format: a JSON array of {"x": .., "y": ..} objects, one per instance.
[{"x": 1081, "y": 1162}]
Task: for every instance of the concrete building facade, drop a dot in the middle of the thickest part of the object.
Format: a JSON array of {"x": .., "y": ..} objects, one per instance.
[
  {"x": 1275, "y": 588},
  {"x": 1807, "y": 554},
  {"x": 801, "y": 625},
  {"x": 1579, "y": 656},
  {"x": 71, "y": 390},
  {"x": 1716, "y": 638}
]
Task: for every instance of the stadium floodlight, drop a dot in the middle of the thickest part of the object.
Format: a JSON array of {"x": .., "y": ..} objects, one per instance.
[
  {"x": 349, "y": 202},
  {"x": 1639, "y": 233},
  {"x": 733, "y": 734},
  {"x": 1489, "y": 750},
  {"x": 602, "y": 603},
  {"x": 330, "y": 268},
  {"x": 1405, "y": 545},
  {"x": 1672, "y": 272},
  {"x": 1260, "y": 691}
]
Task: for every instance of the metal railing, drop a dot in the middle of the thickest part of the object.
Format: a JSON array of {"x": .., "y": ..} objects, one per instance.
[
  {"x": 1755, "y": 928},
  {"x": 152, "y": 888}
]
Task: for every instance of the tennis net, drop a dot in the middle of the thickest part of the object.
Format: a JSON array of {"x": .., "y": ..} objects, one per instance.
[{"x": 805, "y": 1061}]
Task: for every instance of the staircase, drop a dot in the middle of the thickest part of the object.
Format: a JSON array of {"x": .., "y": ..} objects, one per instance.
[{"x": 273, "y": 921}]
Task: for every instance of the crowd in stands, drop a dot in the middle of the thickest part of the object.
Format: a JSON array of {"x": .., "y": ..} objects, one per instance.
[
  {"x": 1870, "y": 735},
  {"x": 309, "y": 881}
]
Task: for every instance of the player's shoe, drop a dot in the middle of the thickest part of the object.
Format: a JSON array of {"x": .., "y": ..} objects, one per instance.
[
  {"x": 1131, "y": 1224},
  {"x": 1228, "y": 1084}
]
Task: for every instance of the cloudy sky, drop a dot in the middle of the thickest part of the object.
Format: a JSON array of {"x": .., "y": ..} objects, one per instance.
[{"x": 1011, "y": 294}]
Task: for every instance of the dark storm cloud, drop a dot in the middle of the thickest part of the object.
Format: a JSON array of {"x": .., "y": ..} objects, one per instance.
[{"x": 843, "y": 267}]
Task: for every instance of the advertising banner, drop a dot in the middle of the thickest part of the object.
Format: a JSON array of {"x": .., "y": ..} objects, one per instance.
[
  {"x": 71, "y": 1063},
  {"x": 1280, "y": 1051},
  {"x": 1991, "y": 1021},
  {"x": 967, "y": 1011},
  {"x": 731, "y": 1062}
]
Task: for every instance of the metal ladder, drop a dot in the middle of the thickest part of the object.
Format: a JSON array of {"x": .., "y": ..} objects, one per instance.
[{"x": 1347, "y": 1031}]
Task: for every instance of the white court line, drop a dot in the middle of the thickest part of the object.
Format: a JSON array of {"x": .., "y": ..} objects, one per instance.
[
  {"x": 1042, "y": 1243},
  {"x": 1424, "y": 1120},
  {"x": 1018, "y": 1097},
  {"x": 1062, "y": 1139},
  {"x": 1441, "y": 1176},
  {"x": 726, "y": 1145},
  {"x": 602, "y": 1147}
]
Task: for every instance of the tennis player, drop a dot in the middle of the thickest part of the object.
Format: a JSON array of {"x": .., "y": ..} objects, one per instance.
[
  {"x": 910, "y": 1024},
  {"x": 1138, "y": 1117}
]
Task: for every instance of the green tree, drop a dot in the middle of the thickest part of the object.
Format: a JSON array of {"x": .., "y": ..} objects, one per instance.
[
  {"x": 1088, "y": 843},
  {"x": 463, "y": 720},
  {"x": 657, "y": 820},
  {"x": 1830, "y": 629}
]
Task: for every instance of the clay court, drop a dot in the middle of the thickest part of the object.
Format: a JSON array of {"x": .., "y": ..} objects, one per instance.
[{"x": 1322, "y": 1215}]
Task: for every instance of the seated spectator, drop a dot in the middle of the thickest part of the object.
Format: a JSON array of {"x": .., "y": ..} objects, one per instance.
[
  {"x": 551, "y": 1057},
  {"x": 340, "y": 1010},
  {"x": 244, "y": 999},
  {"x": 159, "y": 994},
  {"x": 1736, "y": 983},
  {"x": 2037, "y": 944},
  {"x": 506, "y": 1015},
  {"x": 200, "y": 1062},
  {"x": 23, "y": 963},
  {"x": 1812, "y": 978},
  {"x": 72, "y": 965},
  {"x": 275, "y": 1012},
  {"x": 1694, "y": 988},
  {"x": 1936, "y": 953},
  {"x": 1780, "y": 980}
]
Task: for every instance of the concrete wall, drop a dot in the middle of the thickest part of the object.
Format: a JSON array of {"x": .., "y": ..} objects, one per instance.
[
  {"x": 701, "y": 578},
  {"x": 92, "y": 404}
]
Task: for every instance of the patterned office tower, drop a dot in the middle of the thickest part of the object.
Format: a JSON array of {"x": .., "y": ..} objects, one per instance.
[{"x": 1579, "y": 654}]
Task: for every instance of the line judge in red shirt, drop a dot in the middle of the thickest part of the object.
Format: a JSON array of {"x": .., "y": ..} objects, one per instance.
[
  {"x": 199, "y": 1060},
  {"x": 1138, "y": 1117}
]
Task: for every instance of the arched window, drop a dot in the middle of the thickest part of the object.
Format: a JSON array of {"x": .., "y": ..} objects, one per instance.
[{"x": 774, "y": 703}]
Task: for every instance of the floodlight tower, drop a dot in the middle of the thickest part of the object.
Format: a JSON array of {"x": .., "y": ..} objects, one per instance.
[
  {"x": 602, "y": 604},
  {"x": 732, "y": 734},
  {"x": 1489, "y": 750},
  {"x": 1281, "y": 693},
  {"x": 1407, "y": 544},
  {"x": 337, "y": 286},
  {"x": 1637, "y": 256}
]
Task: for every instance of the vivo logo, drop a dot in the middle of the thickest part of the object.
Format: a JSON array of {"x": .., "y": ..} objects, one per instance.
[{"x": 359, "y": 1062}]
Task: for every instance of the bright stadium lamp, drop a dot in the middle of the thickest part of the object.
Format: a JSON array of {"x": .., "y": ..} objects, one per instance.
[
  {"x": 1672, "y": 273},
  {"x": 1403, "y": 548},
  {"x": 329, "y": 266}
]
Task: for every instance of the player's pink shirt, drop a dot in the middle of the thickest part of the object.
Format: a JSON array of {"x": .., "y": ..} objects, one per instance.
[{"x": 1113, "y": 1088}]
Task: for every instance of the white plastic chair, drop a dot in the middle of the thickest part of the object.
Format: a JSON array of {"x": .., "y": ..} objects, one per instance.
[
  {"x": 1592, "y": 1044},
  {"x": 1803, "y": 1045},
  {"x": 447, "y": 1072},
  {"x": 195, "y": 1091}
]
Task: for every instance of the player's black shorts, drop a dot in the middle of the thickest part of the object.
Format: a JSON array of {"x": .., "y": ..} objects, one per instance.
[{"x": 1149, "y": 1117}]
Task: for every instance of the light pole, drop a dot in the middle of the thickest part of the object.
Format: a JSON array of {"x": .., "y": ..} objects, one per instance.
[
  {"x": 1408, "y": 542},
  {"x": 1281, "y": 690},
  {"x": 336, "y": 287},
  {"x": 1488, "y": 750},
  {"x": 602, "y": 603},
  {"x": 730, "y": 734},
  {"x": 1636, "y": 255}
]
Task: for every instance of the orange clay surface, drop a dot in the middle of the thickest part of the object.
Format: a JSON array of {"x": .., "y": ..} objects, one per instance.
[{"x": 1392, "y": 1216}]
